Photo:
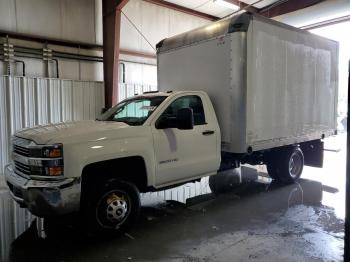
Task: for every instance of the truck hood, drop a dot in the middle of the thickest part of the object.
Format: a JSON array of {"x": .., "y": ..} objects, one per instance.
[{"x": 75, "y": 131}]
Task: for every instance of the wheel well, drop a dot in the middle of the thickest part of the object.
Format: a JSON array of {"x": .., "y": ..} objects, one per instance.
[
  {"x": 274, "y": 153},
  {"x": 130, "y": 169}
]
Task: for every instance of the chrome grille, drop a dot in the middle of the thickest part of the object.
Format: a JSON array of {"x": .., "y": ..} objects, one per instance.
[
  {"x": 21, "y": 146},
  {"x": 23, "y": 168},
  {"x": 21, "y": 150}
]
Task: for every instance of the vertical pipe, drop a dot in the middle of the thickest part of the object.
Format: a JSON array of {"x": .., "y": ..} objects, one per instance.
[
  {"x": 116, "y": 55},
  {"x": 8, "y": 68},
  {"x": 23, "y": 66},
  {"x": 123, "y": 72},
  {"x": 57, "y": 69}
]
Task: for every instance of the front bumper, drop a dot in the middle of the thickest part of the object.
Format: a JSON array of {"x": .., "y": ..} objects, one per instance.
[{"x": 44, "y": 198}]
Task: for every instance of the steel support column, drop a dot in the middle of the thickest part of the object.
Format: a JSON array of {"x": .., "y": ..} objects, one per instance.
[{"x": 111, "y": 47}]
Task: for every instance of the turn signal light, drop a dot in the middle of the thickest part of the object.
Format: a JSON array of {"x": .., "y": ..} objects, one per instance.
[{"x": 55, "y": 171}]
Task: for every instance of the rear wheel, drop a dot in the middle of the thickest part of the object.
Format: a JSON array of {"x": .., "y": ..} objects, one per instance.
[{"x": 286, "y": 165}]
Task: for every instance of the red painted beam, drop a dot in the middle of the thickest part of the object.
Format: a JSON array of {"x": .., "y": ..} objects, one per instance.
[
  {"x": 111, "y": 47},
  {"x": 182, "y": 9},
  {"x": 287, "y": 7}
]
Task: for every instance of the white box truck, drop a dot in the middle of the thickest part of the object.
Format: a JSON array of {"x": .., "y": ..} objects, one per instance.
[
  {"x": 241, "y": 90},
  {"x": 271, "y": 84}
]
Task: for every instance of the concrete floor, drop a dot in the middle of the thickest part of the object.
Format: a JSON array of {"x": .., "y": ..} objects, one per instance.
[{"x": 257, "y": 221}]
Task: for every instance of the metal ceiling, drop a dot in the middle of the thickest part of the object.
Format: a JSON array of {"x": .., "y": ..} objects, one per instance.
[{"x": 210, "y": 8}]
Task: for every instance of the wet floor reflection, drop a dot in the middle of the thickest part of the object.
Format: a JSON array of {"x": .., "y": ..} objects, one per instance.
[{"x": 180, "y": 209}]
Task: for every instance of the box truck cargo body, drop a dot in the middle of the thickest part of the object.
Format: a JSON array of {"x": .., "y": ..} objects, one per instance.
[{"x": 271, "y": 84}]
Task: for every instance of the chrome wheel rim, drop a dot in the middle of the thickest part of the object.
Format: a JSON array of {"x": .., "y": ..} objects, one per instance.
[
  {"x": 113, "y": 209},
  {"x": 116, "y": 208},
  {"x": 295, "y": 165}
]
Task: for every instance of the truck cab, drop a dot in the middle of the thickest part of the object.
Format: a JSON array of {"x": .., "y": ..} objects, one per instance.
[{"x": 145, "y": 143}]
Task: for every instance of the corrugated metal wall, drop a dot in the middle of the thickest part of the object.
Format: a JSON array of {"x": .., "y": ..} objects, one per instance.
[{"x": 26, "y": 102}]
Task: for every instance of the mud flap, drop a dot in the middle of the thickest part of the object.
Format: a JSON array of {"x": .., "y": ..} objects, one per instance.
[{"x": 313, "y": 153}]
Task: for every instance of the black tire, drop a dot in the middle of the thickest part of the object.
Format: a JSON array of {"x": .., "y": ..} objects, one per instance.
[
  {"x": 286, "y": 165},
  {"x": 58, "y": 227},
  {"x": 113, "y": 208},
  {"x": 271, "y": 170},
  {"x": 52, "y": 227}
]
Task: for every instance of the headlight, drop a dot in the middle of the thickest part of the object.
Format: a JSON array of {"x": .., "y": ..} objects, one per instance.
[
  {"x": 46, "y": 160},
  {"x": 47, "y": 151}
]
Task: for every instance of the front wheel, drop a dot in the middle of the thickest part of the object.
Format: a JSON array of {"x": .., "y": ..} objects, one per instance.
[
  {"x": 114, "y": 207},
  {"x": 286, "y": 165}
]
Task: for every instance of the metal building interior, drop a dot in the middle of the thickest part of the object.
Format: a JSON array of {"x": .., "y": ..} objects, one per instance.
[{"x": 65, "y": 60}]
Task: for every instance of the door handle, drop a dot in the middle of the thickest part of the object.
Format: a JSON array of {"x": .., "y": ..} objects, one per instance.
[{"x": 208, "y": 132}]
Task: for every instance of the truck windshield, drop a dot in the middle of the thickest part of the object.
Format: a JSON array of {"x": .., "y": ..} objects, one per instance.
[{"x": 133, "y": 112}]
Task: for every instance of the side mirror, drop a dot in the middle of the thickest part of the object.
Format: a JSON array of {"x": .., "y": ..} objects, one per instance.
[
  {"x": 103, "y": 110},
  {"x": 166, "y": 122},
  {"x": 185, "y": 119}
]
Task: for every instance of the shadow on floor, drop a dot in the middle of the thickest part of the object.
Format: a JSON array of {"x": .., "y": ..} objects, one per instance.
[{"x": 173, "y": 231}]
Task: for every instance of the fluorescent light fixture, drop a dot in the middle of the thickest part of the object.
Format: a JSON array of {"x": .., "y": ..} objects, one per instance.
[{"x": 226, "y": 4}]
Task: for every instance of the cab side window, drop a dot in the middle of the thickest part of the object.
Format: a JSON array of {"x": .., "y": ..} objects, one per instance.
[{"x": 193, "y": 102}]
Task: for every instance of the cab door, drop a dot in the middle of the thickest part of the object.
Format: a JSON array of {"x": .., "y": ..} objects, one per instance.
[{"x": 185, "y": 154}]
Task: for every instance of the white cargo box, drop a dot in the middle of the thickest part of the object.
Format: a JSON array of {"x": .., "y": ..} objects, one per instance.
[{"x": 270, "y": 84}]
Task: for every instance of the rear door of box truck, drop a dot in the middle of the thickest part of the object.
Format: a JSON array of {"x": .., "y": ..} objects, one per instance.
[{"x": 292, "y": 85}]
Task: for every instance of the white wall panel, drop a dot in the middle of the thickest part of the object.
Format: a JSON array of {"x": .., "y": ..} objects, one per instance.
[
  {"x": 90, "y": 71},
  {"x": 61, "y": 19},
  {"x": 140, "y": 74},
  {"x": 98, "y": 22},
  {"x": 39, "y": 17},
  {"x": 69, "y": 69},
  {"x": 155, "y": 22},
  {"x": 128, "y": 90},
  {"x": 179, "y": 23},
  {"x": 78, "y": 20},
  {"x": 129, "y": 37},
  {"x": 154, "y": 25},
  {"x": 7, "y": 17}
]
